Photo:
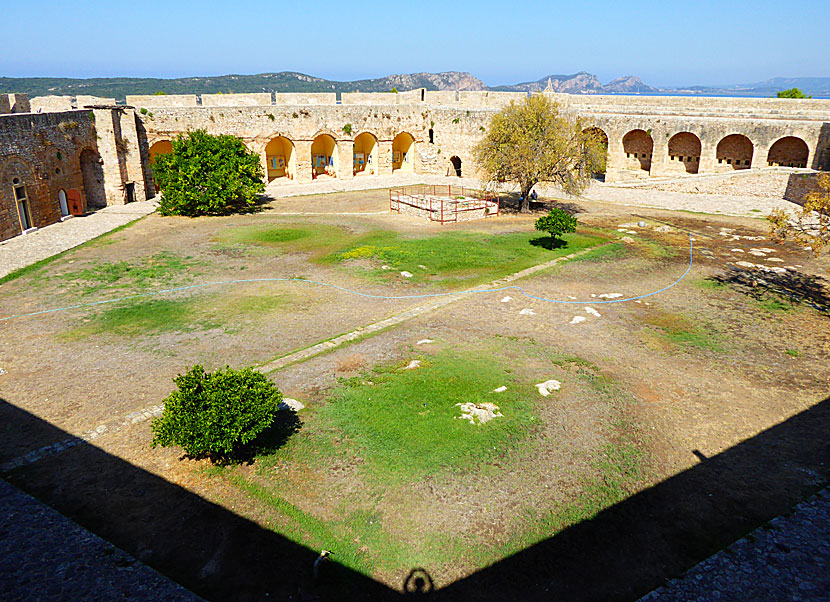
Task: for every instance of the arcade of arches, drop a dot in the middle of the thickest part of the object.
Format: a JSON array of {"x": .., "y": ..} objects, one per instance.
[
  {"x": 788, "y": 152},
  {"x": 684, "y": 152},
  {"x": 280, "y": 159},
  {"x": 734, "y": 151},
  {"x": 638, "y": 147}
]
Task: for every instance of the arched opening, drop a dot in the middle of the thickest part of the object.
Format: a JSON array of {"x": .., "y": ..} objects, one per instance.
[
  {"x": 455, "y": 162},
  {"x": 734, "y": 150},
  {"x": 92, "y": 173},
  {"x": 598, "y": 135},
  {"x": 162, "y": 147},
  {"x": 62, "y": 202},
  {"x": 638, "y": 147},
  {"x": 365, "y": 158},
  {"x": 280, "y": 157},
  {"x": 403, "y": 153},
  {"x": 323, "y": 156},
  {"x": 684, "y": 152},
  {"x": 788, "y": 152}
]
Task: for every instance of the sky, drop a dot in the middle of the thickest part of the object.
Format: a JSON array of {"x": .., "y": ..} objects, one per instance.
[{"x": 667, "y": 43}]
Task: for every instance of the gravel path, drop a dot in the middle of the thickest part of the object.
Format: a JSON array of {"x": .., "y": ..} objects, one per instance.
[
  {"x": 20, "y": 251},
  {"x": 44, "y": 556},
  {"x": 788, "y": 559}
]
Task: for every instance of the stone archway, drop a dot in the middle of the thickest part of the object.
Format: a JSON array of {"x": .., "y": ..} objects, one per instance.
[
  {"x": 789, "y": 151},
  {"x": 403, "y": 153},
  {"x": 734, "y": 150},
  {"x": 638, "y": 147},
  {"x": 599, "y": 135},
  {"x": 324, "y": 156},
  {"x": 280, "y": 158},
  {"x": 684, "y": 153},
  {"x": 364, "y": 154}
]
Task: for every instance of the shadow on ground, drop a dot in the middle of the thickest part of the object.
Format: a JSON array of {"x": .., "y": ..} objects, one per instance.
[
  {"x": 620, "y": 554},
  {"x": 790, "y": 285}
]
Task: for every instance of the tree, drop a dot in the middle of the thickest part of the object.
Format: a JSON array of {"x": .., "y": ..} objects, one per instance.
[
  {"x": 533, "y": 142},
  {"x": 809, "y": 226},
  {"x": 207, "y": 175},
  {"x": 791, "y": 93},
  {"x": 214, "y": 414},
  {"x": 556, "y": 223}
]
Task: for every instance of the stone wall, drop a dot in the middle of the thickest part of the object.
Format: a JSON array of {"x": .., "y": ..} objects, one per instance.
[
  {"x": 236, "y": 100},
  {"x": 41, "y": 154},
  {"x": 799, "y": 185},
  {"x": 14, "y": 103},
  {"x": 162, "y": 100}
]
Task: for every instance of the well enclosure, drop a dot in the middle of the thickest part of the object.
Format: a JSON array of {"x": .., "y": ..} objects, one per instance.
[{"x": 444, "y": 204}]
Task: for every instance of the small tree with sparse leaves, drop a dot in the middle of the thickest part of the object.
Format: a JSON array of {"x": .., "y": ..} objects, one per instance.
[
  {"x": 809, "y": 226},
  {"x": 556, "y": 223},
  {"x": 214, "y": 414}
]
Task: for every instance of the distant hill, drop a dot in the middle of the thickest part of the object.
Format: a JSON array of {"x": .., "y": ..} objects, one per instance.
[
  {"x": 291, "y": 81},
  {"x": 285, "y": 81}
]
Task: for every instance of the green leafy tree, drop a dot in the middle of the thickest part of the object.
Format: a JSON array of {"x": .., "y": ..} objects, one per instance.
[
  {"x": 809, "y": 226},
  {"x": 214, "y": 414},
  {"x": 556, "y": 223},
  {"x": 791, "y": 93},
  {"x": 534, "y": 142},
  {"x": 208, "y": 175}
]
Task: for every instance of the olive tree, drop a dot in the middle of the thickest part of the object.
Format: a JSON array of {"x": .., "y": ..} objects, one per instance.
[
  {"x": 208, "y": 175},
  {"x": 532, "y": 142},
  {"x": 810, "y": 225}
]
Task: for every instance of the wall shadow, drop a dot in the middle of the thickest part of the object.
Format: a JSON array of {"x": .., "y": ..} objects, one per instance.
[
  {"x": 635, "y": 546},
  {"x": 204, "y": 547},
  {"x": 621, "y": 554}
]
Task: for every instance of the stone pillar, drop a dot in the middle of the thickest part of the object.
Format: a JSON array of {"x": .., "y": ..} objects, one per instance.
[
  {"x": 708, "y": 158},
  {"x": 614, "y": 160},
  {"x": 303, "y": 150},
  {"x": 133, "y": 168},
  {"x": 660, "y": 153},
  {"x": 345, "y": 156},
  {"x": 760, "y": 152},
  {"x": 107, "y": 128},
  {"x": 384, "y": 157}
]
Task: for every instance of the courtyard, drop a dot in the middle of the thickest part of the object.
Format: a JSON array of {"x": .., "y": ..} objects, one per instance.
[{"x": 683, "y": 420}]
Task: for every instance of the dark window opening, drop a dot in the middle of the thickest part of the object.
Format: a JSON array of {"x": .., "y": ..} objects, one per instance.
[
  {"x": 130, "y": 188},
  {"x": 431, "y": 136}
]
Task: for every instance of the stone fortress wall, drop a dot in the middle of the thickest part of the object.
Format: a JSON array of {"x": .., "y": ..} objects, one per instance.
[{"x": 303, "y": 137}]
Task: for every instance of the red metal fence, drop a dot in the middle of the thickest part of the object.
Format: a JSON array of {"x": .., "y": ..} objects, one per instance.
[{"x": 443, "y": 204}]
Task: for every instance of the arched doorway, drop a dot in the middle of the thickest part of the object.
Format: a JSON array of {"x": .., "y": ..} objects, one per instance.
[
  {"x": 734, "y": 150},
  {"x": 789, "y": 151},
  {"x": 364, "y": 156},
  {"x": 92, "y": 173},
  {"x": 62, "y": 202},
  {"x": 455, "y": 164},
  {"x": 73, "y": 197},
  {"x": 638, "y": 147},
  {"x": 684, "y": 152},
  {"x": 280, "y": 157},
  {"x": 403, "y": 153},
  {"x": 323, "y": 156},
  {"x": 598, "y": 135},
  {"x": 162, "y": 147}
]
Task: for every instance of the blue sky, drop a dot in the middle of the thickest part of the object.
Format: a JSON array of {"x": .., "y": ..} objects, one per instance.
[{"x": 665, "y": 43}]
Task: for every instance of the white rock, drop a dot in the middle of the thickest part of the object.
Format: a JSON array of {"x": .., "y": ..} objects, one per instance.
[
  {"x": 481, "y": 412},
  {"x": 406, "y": 274},
  {"x": 641, "y": 224},
  {"x": 413, "y": 364},
  {"x": 423, "y": 267},
  {"x": 507, "y": 300},
  {"x": 629, "y": 225},
  {"x": 527, "y": 312},
  {"x": 610, "y": 295},
  {"x": 578, "y": 319},
  {"x": 631, "y": 232},
  {"x": 737, "y": 250},
  {"x": 621, "y": 230},
  {"x": 501, "y": 389},
  {"x": 768, "y": 250},
  {"x": 593, "y": 312},
  {"x": 669, "y": 229},
  {"x": 627, "y": 239},
  {"x": 758, "y": 253},
  {"x": 571, "y": 297},
  {"x": 385, "y": 267},
  {"x": 548, "y": 386},
  {"x": 745, "y": 264},
  {"x": 424, "y": 342},
  {"x": 291, "y": 404},
  {"x": 775, "y": 259}
]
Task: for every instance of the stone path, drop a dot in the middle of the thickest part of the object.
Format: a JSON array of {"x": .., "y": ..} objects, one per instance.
[
  {"x": 788, "y": 559},
  {"x": 46, "y": 557},
  {"x": 20, "y": 251}
]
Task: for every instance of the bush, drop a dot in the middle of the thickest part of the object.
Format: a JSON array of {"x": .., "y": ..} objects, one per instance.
[
  {"x": 556, "y": 223},
  {"x": 215, "y": 414},
  {"x": 208, "y": 175}
]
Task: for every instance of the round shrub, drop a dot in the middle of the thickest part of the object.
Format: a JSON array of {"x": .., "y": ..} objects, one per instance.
[
  {"x": 214, "y": 414},
  {"x": 208, "y": 175},
  {"x": 556, "y": 223}
]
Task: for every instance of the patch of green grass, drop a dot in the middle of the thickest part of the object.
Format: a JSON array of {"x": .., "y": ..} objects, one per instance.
[
  {"x": 159, "y": 268},
  {"x": 289, "y": 238},
  {"x": 608, "y": 252},
  {"x": 680, "y": 331},
  {"x": 711, "y": 284},
  {"x": 773, "y": 304},
  {"x": 38, "y": 265},
  {"x": 457, "y": 258},
  {"x": 406, "y": 425},
  {"x": 792, "y": 352}
]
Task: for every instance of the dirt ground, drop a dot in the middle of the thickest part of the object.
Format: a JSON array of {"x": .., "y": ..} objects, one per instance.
[{"x": 728, "y": 380}]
